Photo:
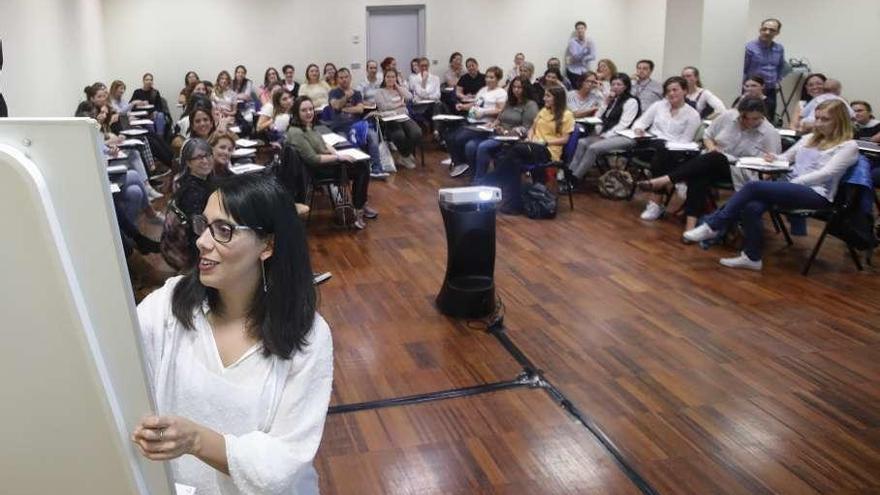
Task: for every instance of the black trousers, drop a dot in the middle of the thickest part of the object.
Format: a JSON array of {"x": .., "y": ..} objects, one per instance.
[
  {"x": 665, "y": 160},
  {"x": 699, "y": 174},
  {"x": 4, "y": 112},
  {"x": 358, "y": 172},
  {"x": 509, "y": 166},
  {"x": 770, "y": 102}
]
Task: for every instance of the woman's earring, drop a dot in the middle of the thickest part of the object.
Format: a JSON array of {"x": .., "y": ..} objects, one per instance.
[{"x": 263, "y": 270}]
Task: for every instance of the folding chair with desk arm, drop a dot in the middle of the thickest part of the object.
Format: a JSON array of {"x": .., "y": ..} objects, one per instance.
[
  {"x": 848, "y": 218},
  {"x": 547, "y": 172},
  {"x": 302, "y": 182}
]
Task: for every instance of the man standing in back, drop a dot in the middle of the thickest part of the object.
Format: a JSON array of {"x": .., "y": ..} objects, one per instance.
[{"x": 766, "y": 58}]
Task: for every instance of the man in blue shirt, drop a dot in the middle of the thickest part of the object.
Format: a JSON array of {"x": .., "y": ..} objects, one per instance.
[{"x": 766, "y": 58}]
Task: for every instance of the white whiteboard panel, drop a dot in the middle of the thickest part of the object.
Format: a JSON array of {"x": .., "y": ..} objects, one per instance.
[{"x": 70, "y": 361}]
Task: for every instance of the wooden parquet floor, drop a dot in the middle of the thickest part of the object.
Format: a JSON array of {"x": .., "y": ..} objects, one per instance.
[{"x": 709, "y": 380}]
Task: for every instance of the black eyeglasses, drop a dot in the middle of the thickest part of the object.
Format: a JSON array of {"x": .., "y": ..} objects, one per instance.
[{"x": 221, "y": 230}]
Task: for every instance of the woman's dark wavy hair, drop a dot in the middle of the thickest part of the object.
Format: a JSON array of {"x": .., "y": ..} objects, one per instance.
[
  {"x": 805, "y": 96},
  {"x": 512, "y": 100},
  {"x": 559, "y": 106},
  {"x": 238, "y": 86},
  {"x": 266, "y": 75},
  {"x": 281, "y": 318}
]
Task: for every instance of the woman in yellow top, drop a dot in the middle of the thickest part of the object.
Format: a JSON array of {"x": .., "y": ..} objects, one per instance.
[{"x": 548, "y": 135}]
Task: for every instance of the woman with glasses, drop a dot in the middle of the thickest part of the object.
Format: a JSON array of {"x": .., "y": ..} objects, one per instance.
[
  {"x": 586, "y": 100},
  {"x": 240, "y": 360},
  {"x": 193, "y": 186}
]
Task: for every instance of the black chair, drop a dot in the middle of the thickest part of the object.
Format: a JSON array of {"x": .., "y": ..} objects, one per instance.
[
  {"x": 303, "y": 182},
  {"x": 541, "y": 171},
  {"x": 837, "y": 218}
]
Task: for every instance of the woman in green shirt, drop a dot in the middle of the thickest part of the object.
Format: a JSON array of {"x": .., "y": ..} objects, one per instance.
[{"x": 325, "y": 162}]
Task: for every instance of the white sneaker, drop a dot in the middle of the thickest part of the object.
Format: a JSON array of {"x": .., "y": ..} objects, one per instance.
[
  {"x": 652, "y": 212},
  {"x": 700, "y": 233},
  {"x": 742, "y": 261},
  {"x": 459, "y": 169},
  {"x": 681, "y": 189},
  {"x": 153, "y": 194},
  {"x": 447, "y": 162},
  {"x": 408, "y": 162}
]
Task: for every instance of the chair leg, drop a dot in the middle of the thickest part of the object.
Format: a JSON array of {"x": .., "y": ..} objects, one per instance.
[
  {"x": 855, "y": 257},
  {"x": 815, "y": 249},
  {"x": 311, "y": 204},
  {"x": 779, "y": 225}
]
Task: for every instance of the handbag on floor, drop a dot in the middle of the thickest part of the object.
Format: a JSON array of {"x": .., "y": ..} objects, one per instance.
[
  {"x": 385, "y": 157},
  {"x": 538, "y": 201}
]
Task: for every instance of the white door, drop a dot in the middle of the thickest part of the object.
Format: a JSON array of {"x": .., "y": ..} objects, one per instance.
[{"x": 396, "y": 32}]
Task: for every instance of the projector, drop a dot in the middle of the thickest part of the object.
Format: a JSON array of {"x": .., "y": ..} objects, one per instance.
[{"x": 470, "y": 195}]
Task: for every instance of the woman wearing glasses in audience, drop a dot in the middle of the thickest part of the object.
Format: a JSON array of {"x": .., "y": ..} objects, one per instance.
[
  {"x": 704, "y": 101},
  {"x": 269, "y": 77},
  {"x": 544, "y": 142},
  {"x": 241, "y": 362},
  {"x": 514, "y": 120},
  {"x": 753, "y": 87},
  {"x": 290, "y": 84},
  {"x": 325, "y": 162},
  {"x": 820, "y": 158},
  {"x": 736, "y": 133},
  {"x": 193, "y": 187},
  {"x": 391, "y": 101},
  {"x": 586, "y": 100},
  {"x": 317, "y": 90},
  {"x": 330, "y": 75},
  {"x": 621, "y": 110},
  {"x": 487, "y": 104},
  {"x": 189, "y": 82}
]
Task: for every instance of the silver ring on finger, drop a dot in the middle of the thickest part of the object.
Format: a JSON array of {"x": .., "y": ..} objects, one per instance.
[{"x": 161, "y": 434}]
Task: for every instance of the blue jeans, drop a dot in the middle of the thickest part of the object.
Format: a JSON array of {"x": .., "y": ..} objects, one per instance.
[
  {"x": 485, "y": 151},
  {"x": 373, "y": 150},
  {"x": 750, "y": 203},
  {"x": 458, "y": 139}
]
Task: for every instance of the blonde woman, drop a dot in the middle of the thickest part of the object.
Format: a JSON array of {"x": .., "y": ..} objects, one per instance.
[
  {"x": 820, "y": 160},
  {"x": 317, "y": 90},
  {"x": 605, "y": 70}
]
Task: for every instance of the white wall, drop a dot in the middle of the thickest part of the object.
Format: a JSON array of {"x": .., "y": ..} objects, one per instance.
[
  {"x": 52, "y": 49},
  {"x": 837, "y": 37},
  {"x": 55, "y": 47}
]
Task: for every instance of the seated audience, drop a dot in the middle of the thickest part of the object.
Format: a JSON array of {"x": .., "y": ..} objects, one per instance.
[
  {"x": 470, "y": 82},
  {"x": 554, "y": 64},
  {"x": 275, "y": 116},
  {"x": 814, "y": 86},
  {"x": 544, "y": 142},
  {"x": 514, "y": 120},
  {"x": 831, "y": 91},
  {"x": 587, "y": 100},
  {"x": 325, "y": 162},
  {"x": 422, "y": 84},
  {"x": 224, "y": 97},
  {"x": 391, "y": 100},
  {"x": 371, "y": 84},
  {"x": 621, "y": 110},
  {"x": 647, "y": 90},
  {"x": 201, "y": 122},
  {"x": 193, "y": 187},
  {"x": 455, "y": 70},
  {"x": 605, "y": 70},
  {"x": 753, "y": 86},
  {"x": 670, "y": 120},
  {"x": 244, "y": 89},
  {"x": 222, "y": 146},
  {"x": 316, "y": 89},
  {"x": 513, "y": 73},
  {"x": 820, "y": 158},
  {"x": 148, "y": 94},
  {"x": 534, "y": 90},
  {"x": 487, "y": 104},
  {"x": 347, "y": 108},
  {"x": 189, "y": 82},
  {"x": 867, "y": 127},
  {"x": 289, "y": 83},
  {"x": 581, "y": 51},
  {"x": 269, "y": 77},
  {"x": 330, "y": 74},
  {"x": 117, "y": 91},
  {"x": 736, "y": 133},
  {"x": 96, "y": 97},
  {"x": 704, "y": 101}
]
